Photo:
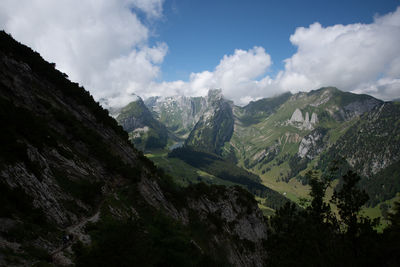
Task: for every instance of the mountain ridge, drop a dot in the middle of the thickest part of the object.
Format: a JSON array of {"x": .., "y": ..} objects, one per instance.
[
  {"x": 144, "y": 131},
  {"x": 282, "y": 137}
]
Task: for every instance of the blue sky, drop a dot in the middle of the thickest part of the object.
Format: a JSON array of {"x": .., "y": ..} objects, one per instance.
[
  {"x": 250, "y": 49},
  {"x": 200, "y": 32}
]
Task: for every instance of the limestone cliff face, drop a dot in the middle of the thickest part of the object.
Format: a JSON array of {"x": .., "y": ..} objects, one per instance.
[
  {"x": 178, "y": 113},
  {"x": 297, "y": 116},
  {"x": 64, "y": 163},
  {"x": 215, "y": 126},
  {"x": 305, "y": 123},
  {"x": 312, "y": 144}
]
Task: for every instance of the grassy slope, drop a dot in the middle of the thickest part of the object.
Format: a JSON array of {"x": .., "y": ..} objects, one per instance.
[
  {"x": 249, "y": 139},
  {"x": 183, "y": 173},
  {"x": 254, "y": 138},
  {"x": 213, "y": 170}
]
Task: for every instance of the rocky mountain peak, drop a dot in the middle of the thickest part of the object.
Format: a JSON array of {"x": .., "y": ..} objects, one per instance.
[
  {"x": 214, "y": 95},
  {"x": 298, "y": 121}
]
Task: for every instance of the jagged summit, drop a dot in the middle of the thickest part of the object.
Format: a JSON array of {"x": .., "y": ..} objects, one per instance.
[
  {"x": 214, "y": 95},
  {"x": 144, "y": 131},
  {"x": 297, "y": 120},
  {"x": 215, "y": 126}
]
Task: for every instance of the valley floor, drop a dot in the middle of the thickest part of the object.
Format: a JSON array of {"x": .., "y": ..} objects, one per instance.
[{"x": 185, "y": 174}]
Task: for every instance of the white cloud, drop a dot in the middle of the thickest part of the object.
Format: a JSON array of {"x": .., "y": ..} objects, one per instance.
[
  {"x": 237, "y": 74},
  {"x": 152, "y": 8},
  {"x": 101, "y": 44},
  {"x": 363, "y": 58}
]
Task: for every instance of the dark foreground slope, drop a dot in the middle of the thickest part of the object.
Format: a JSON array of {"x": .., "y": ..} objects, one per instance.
[{"x": 73, "y": 189}]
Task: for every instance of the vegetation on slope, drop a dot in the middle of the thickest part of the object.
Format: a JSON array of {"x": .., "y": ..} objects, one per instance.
[
  {"x": 214, "y": 128},
  {"x": 316, "y": 237},
  {"x": 371, "y": 147},
  {"x": 61, "y": 149},
  {"x": 256, "y": 111},
  {"x": 144, "y": 131},
  {"x": 155, "y": 240},
  {"x": 225, "y": 170}
]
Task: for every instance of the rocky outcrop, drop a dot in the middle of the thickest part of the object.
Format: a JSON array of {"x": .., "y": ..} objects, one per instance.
[
  {"x": 314, "y": 118},
  {"x": 227, "y": 219},
  {"x": 312, "y": 144},
  {"x": 297, "y": 116},
  {"x": 324, "y": 97},
  {"x": 305, "y": 123},
  {"x": 359, "y": 107},
  {"x": 246, "y": 223}
]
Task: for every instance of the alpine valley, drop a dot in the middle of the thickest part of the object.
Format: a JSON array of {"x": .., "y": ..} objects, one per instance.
[{"x": 277, "y": 141}]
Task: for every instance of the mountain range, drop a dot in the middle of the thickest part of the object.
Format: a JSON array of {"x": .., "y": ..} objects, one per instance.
[{"x": 280, "y": 139}]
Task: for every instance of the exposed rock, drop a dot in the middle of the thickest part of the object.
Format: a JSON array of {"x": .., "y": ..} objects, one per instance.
[
  {"x": 260, "y": 155},
  {"x": 297, "y": 116},
  {"x": 307, "y": 118},
  {"x": 314, "y": 118},
  {"x": 312, "y": 144},
  {"x": 359, "y": 107},
  {"x": 305, "y": 123},
  {"x": 178, "y": 113},
  {"x": 238, "y": 221},
  {"x": 323, "y": 98},
  {"x": 215, "y": 127}
]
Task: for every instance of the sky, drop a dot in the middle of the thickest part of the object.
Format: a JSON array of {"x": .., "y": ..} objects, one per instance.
[{"x": 250, "y": 49}]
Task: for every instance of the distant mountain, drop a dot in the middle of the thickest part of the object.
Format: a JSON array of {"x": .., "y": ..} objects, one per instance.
[
  {"x": 178, "y": 113},
  {"x": 282, "y": 137},
  {"x": 371, "y": 147},
  {"x": 215, "y": 126},
  {"x": 144, "y": 131},
  {"x": 256, "y": 111}
]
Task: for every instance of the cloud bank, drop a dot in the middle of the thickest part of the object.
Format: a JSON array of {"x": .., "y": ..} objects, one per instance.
[
  {"x": 101, "y": 44},
  {"x": 237, "y": 74},
  {"x": 362, "y": 58},
  {"x": 104, "y": 46}
]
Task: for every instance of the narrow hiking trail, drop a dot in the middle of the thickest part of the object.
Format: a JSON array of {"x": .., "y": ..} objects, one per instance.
[{"x": 77, "y": 233}]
